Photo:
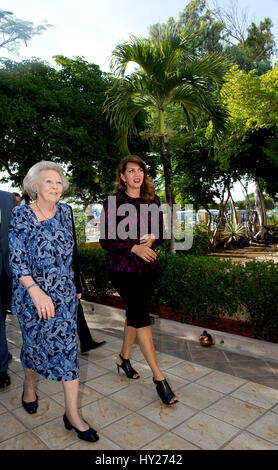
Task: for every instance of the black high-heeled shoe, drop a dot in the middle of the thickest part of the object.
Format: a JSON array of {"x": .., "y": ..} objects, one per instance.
[
  {"x": 165, "y": 392},
  {"x": 30, "y": 407},
  {"x": 90, "y": 435},
  {"x": 127, "y": 368}
]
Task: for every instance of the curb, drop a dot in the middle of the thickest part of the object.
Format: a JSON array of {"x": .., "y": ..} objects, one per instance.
[{"x": 222, "y": 340}]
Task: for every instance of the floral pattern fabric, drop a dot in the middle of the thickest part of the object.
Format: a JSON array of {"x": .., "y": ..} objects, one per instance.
[{"x": 44, "y": 250}]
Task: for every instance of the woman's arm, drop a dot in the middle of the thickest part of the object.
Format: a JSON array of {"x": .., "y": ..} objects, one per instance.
[
  {"x": 150, "y": 239},
  {"x": 144, "y": 252},
  {"x": 21, "y": 262},
  {"x": 41, "y": 300}
]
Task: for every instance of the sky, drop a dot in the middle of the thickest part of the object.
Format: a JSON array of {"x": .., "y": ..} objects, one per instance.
[{"x": 92, "y": 28}]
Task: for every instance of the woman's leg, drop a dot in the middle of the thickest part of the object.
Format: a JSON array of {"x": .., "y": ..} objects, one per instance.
[
  {"x": 29, "y": 387},
  {"x": 129, "y": 338},
  {"x": 71, "y": 388},
  {"x": 121, "y": 283},
  {"x": 145, "y": 341}
]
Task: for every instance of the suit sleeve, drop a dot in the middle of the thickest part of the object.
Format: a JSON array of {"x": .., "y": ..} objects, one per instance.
[{"x": 20, "y": 261}]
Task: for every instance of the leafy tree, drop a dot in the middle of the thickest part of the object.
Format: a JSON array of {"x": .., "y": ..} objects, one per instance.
[
  {"x": 260, "y": 41},
  {"x": 169, "y": 73},
  {"x": 82, "y": 137},
  {"x": 249, "y": 144},
  {"x": 197, "y": 178},
  {"x": 225, "y": 30},
  {"x": 195, "y": 20},
  {"x": 58, "y": 115},
  {"x": 250, "y": 47},
  {"x": 252, "y": 105},
  {"x": 14, "y": 31},
  {"x": 29, "y": 100}
]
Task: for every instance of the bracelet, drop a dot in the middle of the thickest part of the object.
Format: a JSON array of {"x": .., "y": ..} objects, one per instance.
[{"x": 31, "y": 285}]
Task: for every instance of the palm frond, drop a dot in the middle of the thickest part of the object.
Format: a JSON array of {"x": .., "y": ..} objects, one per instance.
[
  {"x": 170, "y": 72},
  {"x": 156, "y": 59},
  {"x": 139, "y": 51},
  {"x": 123, "y": 102}
]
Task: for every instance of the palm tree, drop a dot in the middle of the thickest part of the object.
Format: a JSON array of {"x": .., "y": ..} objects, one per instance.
[{"x": 169, "y": 73}]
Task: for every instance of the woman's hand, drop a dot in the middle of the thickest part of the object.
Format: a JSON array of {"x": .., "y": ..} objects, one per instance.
[
  {"x": 144, "y": 252},
  {"x": 147, "y": 239},
  {"x": 79, "y": 296},
  {"x": 42, "y": 302}
]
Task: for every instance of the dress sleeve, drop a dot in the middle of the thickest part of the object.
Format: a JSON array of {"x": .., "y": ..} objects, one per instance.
[
  {"x": 109, "y": 239},
  {"x": 19, "y": 253}
]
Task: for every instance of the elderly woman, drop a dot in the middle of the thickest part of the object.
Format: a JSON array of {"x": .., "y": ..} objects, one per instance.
[
  {"x": 44, "y": 292},
  {"x": 132, "y": 261}
]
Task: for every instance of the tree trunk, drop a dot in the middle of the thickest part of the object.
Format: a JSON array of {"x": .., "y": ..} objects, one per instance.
[
  {"x": 261, "y": 211},
  {"x": 168, "y": 179},
  {"x": 251, "y": 230},
  {"x": 223, "y": 205},
  {"x": 209, "y": 216},
  {"x": 233, "y": 209},
  {"x": 168, "y": 190}
]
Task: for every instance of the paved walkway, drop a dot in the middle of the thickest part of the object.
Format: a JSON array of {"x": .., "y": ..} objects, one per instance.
[{"x": 227, "y": 400}]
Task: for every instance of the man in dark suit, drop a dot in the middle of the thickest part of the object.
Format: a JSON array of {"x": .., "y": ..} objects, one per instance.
[{"x": 7, "y": 203}]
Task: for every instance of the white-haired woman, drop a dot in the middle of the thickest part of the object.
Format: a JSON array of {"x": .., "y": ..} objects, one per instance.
[{"x": 44, "y": 292}]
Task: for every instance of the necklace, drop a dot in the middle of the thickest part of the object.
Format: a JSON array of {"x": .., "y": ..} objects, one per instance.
[{"x": 41, "y": 211}]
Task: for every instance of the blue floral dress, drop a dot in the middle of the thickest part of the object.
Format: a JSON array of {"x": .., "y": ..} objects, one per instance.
[{"x": 43, "y": 250}]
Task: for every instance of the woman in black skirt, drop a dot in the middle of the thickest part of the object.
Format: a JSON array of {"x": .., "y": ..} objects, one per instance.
[{"x": 131, "y": 230}]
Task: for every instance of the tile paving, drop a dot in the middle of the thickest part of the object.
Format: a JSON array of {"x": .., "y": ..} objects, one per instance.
[{"x": 227, "y": 400}]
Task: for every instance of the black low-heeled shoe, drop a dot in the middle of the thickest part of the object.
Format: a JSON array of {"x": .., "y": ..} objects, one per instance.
[
  {"x": 90, "y": 435},
  {"x": 165, "y": 392},
  {"x": 30, "y": 407},
  {"x": 127, "y": 368}
]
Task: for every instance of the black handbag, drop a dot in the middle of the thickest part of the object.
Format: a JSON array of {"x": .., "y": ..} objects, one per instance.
[{"x": 79, "y": 278}]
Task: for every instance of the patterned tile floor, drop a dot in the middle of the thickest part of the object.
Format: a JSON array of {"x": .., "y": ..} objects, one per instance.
[{"x": 226, "y": 400}]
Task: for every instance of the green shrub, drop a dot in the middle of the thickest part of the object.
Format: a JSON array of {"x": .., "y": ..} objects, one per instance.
[
  {"x": 200, "y": 239},
  {"x": 197, "y": 285},
  {"x": 203, "y": 287},
  {"x": 260, "y": 294}
]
